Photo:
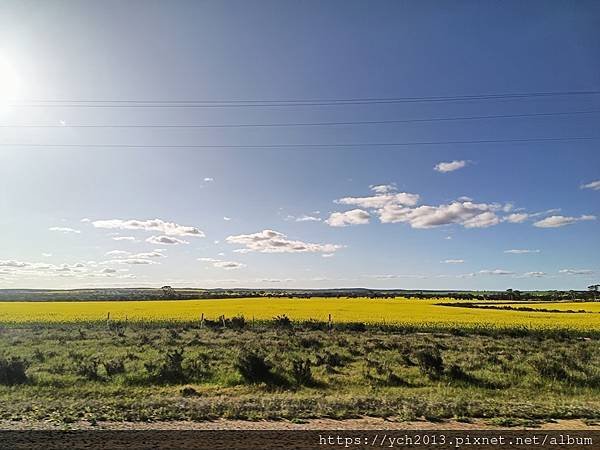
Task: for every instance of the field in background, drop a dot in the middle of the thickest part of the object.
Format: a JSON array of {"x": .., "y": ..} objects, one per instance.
[{"x": 388, "y": 311}]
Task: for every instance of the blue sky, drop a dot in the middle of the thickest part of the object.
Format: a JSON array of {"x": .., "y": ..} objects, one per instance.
[{"x": 362, "y": 215}]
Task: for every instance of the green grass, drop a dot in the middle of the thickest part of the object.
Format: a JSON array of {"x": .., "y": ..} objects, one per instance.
[{"x": 521, "y": 375}]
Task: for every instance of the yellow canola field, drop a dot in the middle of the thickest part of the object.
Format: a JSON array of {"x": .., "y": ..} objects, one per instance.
[{"x": 390, "y": 311}]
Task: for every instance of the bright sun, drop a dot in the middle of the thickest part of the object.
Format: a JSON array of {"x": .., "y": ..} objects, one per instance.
[{"x": 10, "y": 82}]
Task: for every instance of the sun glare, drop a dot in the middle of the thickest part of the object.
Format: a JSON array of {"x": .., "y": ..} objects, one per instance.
[{"x": 11, "y": 84}]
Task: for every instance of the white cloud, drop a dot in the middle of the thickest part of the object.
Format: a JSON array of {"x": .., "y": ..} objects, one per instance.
[
  {"x": 131, "y": 261},
  {"x": 269, "y": 241},
  {"x": 453, "y": 261},
  {"x": 594, "y": 185},
  {"x": 561, "y": 221},
  {"x": 47, "y": 255},
  {"x": 328, "y": 255},
  {"x": 125, "y": 238},
  {"x": 521, "y": 251},
  {"x": 534, "y": 274},
  {"x": 307, "y": 218},
  {"x": 352, "y": 217},
  {"x": 227, "y": 265},
  {"x": 381, "y": 200},
  {"x": 467, "y": 214},
  {"x": 167, "y": 228},
  {"x": 393, "y": 277},
  {"x": 85, "y": 220},
  {"x": 576, "y": 271},
  {"x": 392, "y": 207},
  {"x": 64, "y": 230},
  {"x": 445, "y": 167},
  {"x": 517, "y": 217},
  {"x": 226, "y": 219},
  {"x": 13, "y": 263},
  {"x": 208, "y": 179},
  {"x": 383, "y": 188},
  {"x": 108, "y": 270},
  {"x": 496, "y": 272},
  {"x": 117, "y": 253},
  {"x": 158, "y": 240},
  {"x": 154, "y": 254}
]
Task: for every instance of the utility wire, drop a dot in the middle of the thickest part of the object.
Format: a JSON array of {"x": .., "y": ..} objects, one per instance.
[
  {"x": 133, "y": 103},
  {"x": 312, "y": 124},
  {"x": 324, "y": 145}
]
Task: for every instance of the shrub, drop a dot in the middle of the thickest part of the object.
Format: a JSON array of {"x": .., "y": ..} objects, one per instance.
[
  {"x": 330, "y": 359},
  {"x": 254, "y": 368},
  {"x": 355, "y": 326},
  {"x": 88, "y": 368},
  {"x": 12, "y": 371},
  {"x": 551, "y": 369},
  {"x": 394, "y": 380},
  {"x": 189, "y": 392},
  {"x": 302, "y": 373},
  {"x": 170, "y": 369},
  {"x": 430, "y": 362},
  {"x": 237, "y": 323},
  {"x": 114, "y": 367},
  {"x": 282, "y": 321},
  {"x": 198, "y": 367}
]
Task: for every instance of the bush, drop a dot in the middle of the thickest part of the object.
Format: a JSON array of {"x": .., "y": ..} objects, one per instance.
[
  {"x": 254, "y": 368},
  {"x": 237, "y": 323},
  {"x": 332, "y": 359},
  {"x": 198, "y": 367},
  {"x": 430, "y": 362},
  {"x": 551, "y": 369},
  {"x": 170, "y": 370},
  {"x": 88, "y": 368},
  {"x": 302, "y": 373},
  {"x": 12, "y": 371},
  {"x": 282, "y": 321},
  {"x": 114, "y": 367}
]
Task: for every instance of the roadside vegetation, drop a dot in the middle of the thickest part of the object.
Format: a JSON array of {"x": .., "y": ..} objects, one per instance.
[{"x": 285, "y": 369}]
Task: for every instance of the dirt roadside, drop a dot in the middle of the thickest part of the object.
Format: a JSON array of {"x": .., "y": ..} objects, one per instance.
[{"x": 364, "y": 423}]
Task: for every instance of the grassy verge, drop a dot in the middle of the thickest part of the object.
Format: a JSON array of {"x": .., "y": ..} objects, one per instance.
[{"x": 150, "y": 371}]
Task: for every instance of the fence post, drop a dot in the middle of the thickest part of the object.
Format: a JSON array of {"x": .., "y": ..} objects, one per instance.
[
  {"x": 108, "y": 316},
  {"x": 223, "y": 320},
  {"x": 202, "y": 321},
  {"x": 329, "y": 323}
]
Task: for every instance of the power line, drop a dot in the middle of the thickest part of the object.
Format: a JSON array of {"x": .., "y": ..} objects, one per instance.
[
  {"x": 311, "y": 124},
  {"x": 323, "y": 145},
  {"x": 135, "y": 103}
]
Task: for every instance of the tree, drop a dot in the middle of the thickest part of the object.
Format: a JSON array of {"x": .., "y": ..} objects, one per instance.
[
  {"x": 594, "y": 289},
  {"x": 169, "y": 292}
]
